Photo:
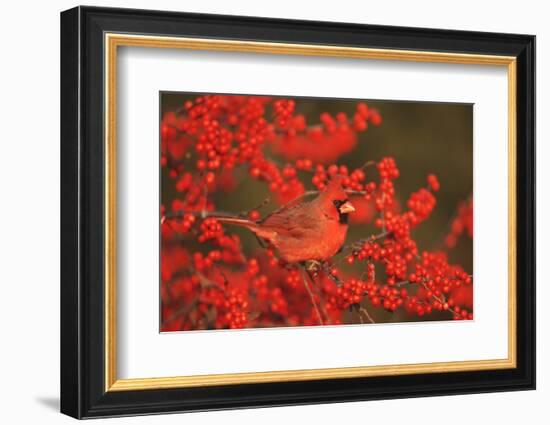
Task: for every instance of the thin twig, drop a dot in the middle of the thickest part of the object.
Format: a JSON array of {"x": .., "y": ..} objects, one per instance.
[
  {"x": 180, "y": 214},
  {"x": 382, "y": 217},
  {"x": 442, "y": 300},
  {"x": 327, "y": 266},
  {"x": 358, "y": 244},
  {"x": 183, "y": 311},
  {"x": 205, "y": 205},
  {"x": 208, "y": 283},
  {"x": 257, "y": 207},
  {"x": 363, "y": 310},
  {"x": 312, "y": 297},
  {"x": 356, "y": 192},
  {"x": 367, "y": 164},
  {"x": 318, "y": 291}
]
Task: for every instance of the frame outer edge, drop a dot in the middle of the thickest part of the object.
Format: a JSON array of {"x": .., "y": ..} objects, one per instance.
[
  {"x": 70, "y": 349},
  {"x": 527, "y": 76},
  {"x": 533, "y": 126},
  {"x": 80, "y": 395}
]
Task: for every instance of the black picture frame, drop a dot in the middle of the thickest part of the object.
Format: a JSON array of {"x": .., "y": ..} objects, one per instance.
[{"x": 83, "y": 392}]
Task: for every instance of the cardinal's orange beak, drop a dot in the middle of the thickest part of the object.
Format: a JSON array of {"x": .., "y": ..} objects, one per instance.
[{"x": 346, "y": 208}]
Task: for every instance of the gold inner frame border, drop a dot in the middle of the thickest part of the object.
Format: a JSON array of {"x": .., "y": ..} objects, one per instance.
[{"x": 113, "y": 40}]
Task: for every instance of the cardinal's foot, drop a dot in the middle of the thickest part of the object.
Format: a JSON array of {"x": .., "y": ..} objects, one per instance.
[{"x": 313, "y": 266}]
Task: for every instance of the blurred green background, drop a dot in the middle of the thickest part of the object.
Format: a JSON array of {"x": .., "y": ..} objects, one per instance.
[{"x": 423, "y": 137}]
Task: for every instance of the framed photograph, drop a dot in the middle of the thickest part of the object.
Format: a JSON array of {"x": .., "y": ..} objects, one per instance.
[{"x": 261, "y": 212}]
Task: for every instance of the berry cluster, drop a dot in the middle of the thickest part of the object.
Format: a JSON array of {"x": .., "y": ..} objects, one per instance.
[
  {"x": 209, "y": 281},
  {"x": 324, "y": 143},
  {"x": 462, "y": 223}
]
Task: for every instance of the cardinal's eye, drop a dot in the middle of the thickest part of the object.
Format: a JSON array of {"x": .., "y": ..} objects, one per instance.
[{"x": 337, "y": 203}]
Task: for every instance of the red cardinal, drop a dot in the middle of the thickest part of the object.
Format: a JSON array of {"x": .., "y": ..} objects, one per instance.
[{"x": 305, "y": 230}]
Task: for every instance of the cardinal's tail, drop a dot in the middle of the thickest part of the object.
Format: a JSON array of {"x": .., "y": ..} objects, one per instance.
[
  {"x": 243, "y": 222},
  {"x": 259, "y": 230}
]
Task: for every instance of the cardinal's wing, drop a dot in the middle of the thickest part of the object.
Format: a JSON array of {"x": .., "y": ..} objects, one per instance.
[{"x": 294, "y": 221}]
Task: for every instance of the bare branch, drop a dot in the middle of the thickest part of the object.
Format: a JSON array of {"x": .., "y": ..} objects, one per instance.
[{"x": 311, "y": 296}]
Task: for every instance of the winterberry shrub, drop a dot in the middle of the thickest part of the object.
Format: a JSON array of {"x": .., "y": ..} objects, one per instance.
[{"x": 211, "y": 279}]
